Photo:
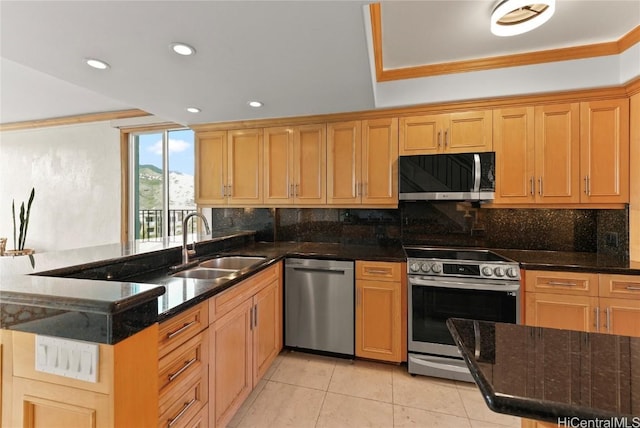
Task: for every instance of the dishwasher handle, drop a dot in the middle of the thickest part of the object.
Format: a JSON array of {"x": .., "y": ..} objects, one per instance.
[{"x": 319, "y": 270}]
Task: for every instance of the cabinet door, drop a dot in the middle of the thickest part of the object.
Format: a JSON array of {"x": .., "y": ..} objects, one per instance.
[
  {"x": 344, "y": 150},
  {"x": 557, "y": 160},
  {"x": 380, "y": 162},
  {"x": 378, "y": 320},
  {"x": 310, "y": 165},
  {"x": 621, "y": 316},
  {"x": 231, "y": 363},
  {"x": 267, "y": 327},
  {"x": 513, "y": 131},
  {"x": 244, "y": 156},
  {"x": 278, "y": 165},
  {"x": 211, "y": 167},
  {"x": 469, "y": 132},
  {"x": 421, "y": 135},
  {"x": 604, "y": 151},
  {"x": 561, "y": 311}
]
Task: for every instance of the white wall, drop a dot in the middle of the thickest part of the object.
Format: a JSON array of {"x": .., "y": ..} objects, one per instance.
[{"x": 75, "y": 170}]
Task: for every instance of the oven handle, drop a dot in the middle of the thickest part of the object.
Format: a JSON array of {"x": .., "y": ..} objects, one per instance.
[{"x": 488, "y": 286}]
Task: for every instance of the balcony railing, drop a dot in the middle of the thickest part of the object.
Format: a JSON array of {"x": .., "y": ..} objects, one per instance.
[{"x": 151, "y": 223}]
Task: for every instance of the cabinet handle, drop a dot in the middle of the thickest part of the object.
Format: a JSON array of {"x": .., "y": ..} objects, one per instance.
[
  {"x": 251, "y": 318},
  {"x": 255, "y": 315},
  {"x": 446, "y": 137},
  {"x": 587, "y": 191},
  {"x": 607, "y": 312},
  {"x": 597, "y": 311},
  {"x": 439, "y": 138},
  {"x": 229, "y": 190},
  {"x": 532, "y": 180},
  {"x": 186, "y": 365},
  {"x": 224, "y": 191},
  {"x": 182, "y": 412},
  {"x": 561, "y": 283},
  {"x": 377, "y": 271},
  {"x": 174, "y": 333},
  {"x": 633, "y": 288},
  {"x": 540, "y": 185},
  {"x": 297, "y": 190}
]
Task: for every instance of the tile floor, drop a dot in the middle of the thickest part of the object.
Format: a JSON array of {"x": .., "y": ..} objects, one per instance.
[{"x": 306, "y": 390}]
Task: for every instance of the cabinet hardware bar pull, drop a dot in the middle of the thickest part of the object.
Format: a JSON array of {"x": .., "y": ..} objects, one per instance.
[
  {"x": 439, "y": 138},
  {"x": 182, "y": 412},
  {"x": 607, "y": 311},
  {"x": 229, "y": 190},
  {"x": 533, "y": 186},
  {"x": 597, "y": 311},
  {"x": 297, "y": 192},
  {"x": 378, "y": 271},
  {"x": 255, "y": 316},
  {"x": 568, "y": 284},
  {"x": 186, "y": 365},
  {"x": 180, "y": 330},
  {"x": 251, "y": 318},
  {"x": 540, "y": 185},
  {"x": 633, "y": 288},
  {"x": 290, "y": 194},
  {"x": 224, "y": 192},
  {"x": 446, "y": 137}
]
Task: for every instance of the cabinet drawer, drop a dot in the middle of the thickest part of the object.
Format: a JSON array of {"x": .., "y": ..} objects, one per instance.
[
  {"x": 574, "y": 283},
  {"x": 237, "y": 294},
  {"x": 378, "y": 271},
  {"x": 178, "y": 365},
  {"x": 622, "y": 286},
  {"x": 201, "y": 420},
  {"x": 184, "y": 401},
  {"x": 177, "y": 330}
]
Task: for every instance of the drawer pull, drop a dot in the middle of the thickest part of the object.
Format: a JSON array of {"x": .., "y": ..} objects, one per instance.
[
  {"x": 180, "y": 330},
  {"x": 561, "y": 283},
  {"x": 633, "y": 288},
  {"x": 186, "y": 365},
  {"x": 378, "y": 271},
  {"x": 597, "y": 312},
  {"x": 182, "y": 412}
]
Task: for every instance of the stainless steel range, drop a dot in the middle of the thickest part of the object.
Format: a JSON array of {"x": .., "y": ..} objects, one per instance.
[{"x": 462, "y": 283}]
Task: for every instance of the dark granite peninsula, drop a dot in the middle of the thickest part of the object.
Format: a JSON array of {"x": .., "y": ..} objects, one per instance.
[{"x": 552, "y": 375}]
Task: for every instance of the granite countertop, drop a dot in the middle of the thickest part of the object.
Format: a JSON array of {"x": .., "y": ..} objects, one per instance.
[{"x": 546, "y": 374}]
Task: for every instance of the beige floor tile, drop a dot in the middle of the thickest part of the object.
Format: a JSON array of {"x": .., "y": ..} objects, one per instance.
[
  {"x": 308, "y": 370},
  {"x": 412, "y": 417},
  {"x": 274, "y": 365},
  {"x": 478, "y": 410},
  {"x": 281, "y": 405},
  {"x": 341, "y": 411},
  {"x": 247, "y": 404},
  {"x": 466, "y": 385},
  {"x": 363, "y": 379},
  {"x": 483, "y": 424},
  {"x": 427, "y": 393}
]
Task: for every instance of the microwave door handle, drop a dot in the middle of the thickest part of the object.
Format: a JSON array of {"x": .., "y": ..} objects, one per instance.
[{"x": 476, "y": 172}]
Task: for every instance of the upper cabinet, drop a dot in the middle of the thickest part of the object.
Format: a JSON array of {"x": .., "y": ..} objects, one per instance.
[
  {"x": 362, "y": 159},
  {"x": 229, "y": 167},
  {"x": 295, "y": 165},
  {"x": 447, "y": 133},
  {"x": 537, "y": 154},
  {"x": 604, "y": 151}
]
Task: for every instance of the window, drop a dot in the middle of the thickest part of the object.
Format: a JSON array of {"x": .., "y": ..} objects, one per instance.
[{"x": 161, "y": 182}]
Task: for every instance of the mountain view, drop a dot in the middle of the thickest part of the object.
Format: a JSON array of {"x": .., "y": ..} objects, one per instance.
[{"x": 181, "y": 192}]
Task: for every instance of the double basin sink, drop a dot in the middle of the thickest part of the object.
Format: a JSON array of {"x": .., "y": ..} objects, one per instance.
[{"x": 219, "y": 267}]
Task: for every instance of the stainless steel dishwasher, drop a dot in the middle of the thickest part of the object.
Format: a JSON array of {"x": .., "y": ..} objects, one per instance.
[{"x": 319, "y": 310}]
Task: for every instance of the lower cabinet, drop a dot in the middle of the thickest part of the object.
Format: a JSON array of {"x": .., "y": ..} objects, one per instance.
[
  {"x": 245, "y": 336},
  {"x": 380, "y": 311}
]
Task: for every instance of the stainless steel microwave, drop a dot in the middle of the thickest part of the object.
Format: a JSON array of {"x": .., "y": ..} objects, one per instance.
[{"x": 454, "y": 177}]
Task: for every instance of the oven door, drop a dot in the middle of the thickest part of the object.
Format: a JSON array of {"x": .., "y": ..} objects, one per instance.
[{"x": 432, "y": 300}]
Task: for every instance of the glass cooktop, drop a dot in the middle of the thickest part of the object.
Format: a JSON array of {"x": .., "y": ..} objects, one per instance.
[{"x": 454, "y": 254}]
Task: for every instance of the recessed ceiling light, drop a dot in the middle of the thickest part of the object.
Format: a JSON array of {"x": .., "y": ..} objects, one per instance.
[
  {"x": 193, "y": 110},
  {"x": 513, "y": 17},
  {"x": 255, "y": 104},
  {"x": 182, "y": 49},
  {"x": 96, "y": 63}
]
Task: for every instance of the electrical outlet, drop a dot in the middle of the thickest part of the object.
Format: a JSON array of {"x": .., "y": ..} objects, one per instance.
[
  {"x": 611, "y": 239},
  {"x": 68, "y": 358}
]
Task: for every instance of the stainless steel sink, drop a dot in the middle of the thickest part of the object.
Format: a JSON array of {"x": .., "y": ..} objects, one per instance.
[
  {"x": 231, "y": 262},
  {"x": 203, "y": 273}
]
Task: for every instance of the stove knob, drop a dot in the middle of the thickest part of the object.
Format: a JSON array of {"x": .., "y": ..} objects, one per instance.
[
  {"x": 425, "y": 267},
  {"x": 499, "y": 272},
  {"x": 512, "y": 272},
  {"x": 436, "y": 268},
  {"x": 414, "y": 267},
  {"x": 486, "y": 271}
]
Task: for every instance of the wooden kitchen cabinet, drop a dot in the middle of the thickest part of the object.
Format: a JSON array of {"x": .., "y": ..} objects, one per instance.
[
  {"x": 537, "y": 154},
  {"x": 362, "y": 159},
  {"x": 604, "y": 151},
  {"x": 380, "y": 312},
  {"x": 295, "y": 165},
  {"x": 620, "y": 302},
  {"x": 229, "y": 167},
  {"x": 561, "y": 311},
  {"x": 458, "y": 132},
  {"x": 244, "y": 339}
]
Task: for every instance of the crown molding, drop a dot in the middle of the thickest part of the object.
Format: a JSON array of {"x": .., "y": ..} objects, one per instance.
[{"x": 73, "y": 120}]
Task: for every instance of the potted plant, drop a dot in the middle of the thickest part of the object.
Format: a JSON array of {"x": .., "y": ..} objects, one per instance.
[{"x": 18, "y": 245}]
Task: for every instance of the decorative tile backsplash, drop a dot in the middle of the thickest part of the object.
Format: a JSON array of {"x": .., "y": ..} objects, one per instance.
[{"x": 441, "y": 224}]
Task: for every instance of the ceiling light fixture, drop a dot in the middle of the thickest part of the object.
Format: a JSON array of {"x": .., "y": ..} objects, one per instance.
[
  {"x": 255, "y": 104},
  {"x": 513, "y": 17},
  {"x": 182, "y": 49},
  {"x": 96, "y": 63},
  {"x": 193, "y": 110}
]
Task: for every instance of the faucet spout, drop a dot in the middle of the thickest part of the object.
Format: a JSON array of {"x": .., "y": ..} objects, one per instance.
[{"x": 185, "y": 221}]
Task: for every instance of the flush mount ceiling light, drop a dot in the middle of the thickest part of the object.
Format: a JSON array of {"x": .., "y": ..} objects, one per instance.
[
  {"x": 96, "y": 63},
  {"x": 513, "y": 17},
  {"x": 255, "y": 104},
  {"x": 193, "y": 110},
  {"x": 182, "y": 49}
]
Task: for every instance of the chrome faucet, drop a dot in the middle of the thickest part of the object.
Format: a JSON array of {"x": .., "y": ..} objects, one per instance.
[{"x": 185, "y": 251}]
